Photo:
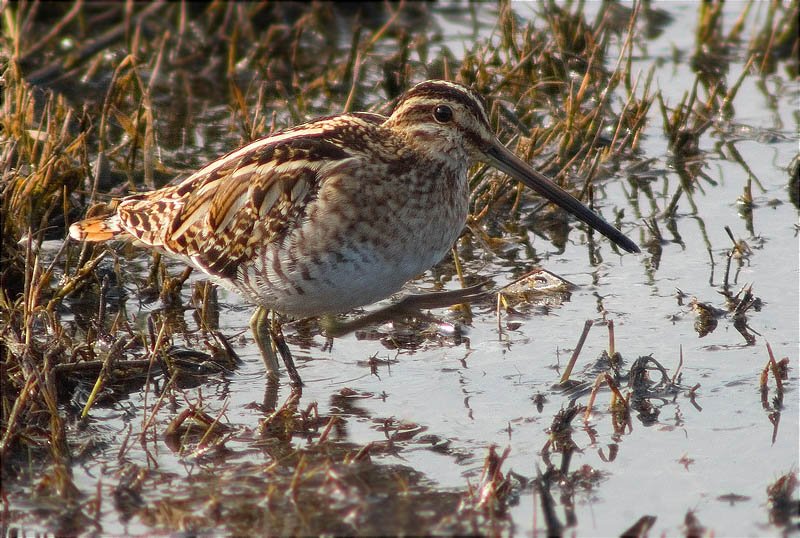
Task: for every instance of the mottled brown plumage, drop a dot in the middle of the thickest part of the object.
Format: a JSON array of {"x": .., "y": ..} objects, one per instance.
[{"x": 335, "y": 213}]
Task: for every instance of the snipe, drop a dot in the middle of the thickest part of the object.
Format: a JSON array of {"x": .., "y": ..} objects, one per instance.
[{"x": 333, "y": 214}]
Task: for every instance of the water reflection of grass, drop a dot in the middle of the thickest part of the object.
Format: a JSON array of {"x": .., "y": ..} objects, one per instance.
[{"x": 159, "y": 89}]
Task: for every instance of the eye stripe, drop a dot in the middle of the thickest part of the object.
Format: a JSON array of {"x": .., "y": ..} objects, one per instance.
[{"x": 433, "y": 91}]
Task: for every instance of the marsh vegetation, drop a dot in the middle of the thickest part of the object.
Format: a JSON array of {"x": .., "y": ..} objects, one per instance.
[{"x": 134, "y": 400}]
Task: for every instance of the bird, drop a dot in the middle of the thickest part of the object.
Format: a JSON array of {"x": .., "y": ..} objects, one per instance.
[{"x": 332, "y": 214}]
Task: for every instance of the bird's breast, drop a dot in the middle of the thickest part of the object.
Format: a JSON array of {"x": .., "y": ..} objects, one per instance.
[{"x": 367, "y": 233}]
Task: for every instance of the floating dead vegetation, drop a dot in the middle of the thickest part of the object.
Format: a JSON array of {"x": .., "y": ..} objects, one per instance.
[
  {"x": 779, "y": 370},
  {"x": 735, "y": 307},
  {"x": 784, "y": 504},
  {"x": 487, "y": 502}
]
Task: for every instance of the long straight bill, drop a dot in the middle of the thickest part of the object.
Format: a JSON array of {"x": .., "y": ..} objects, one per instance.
[{"x": 505, "y": 161}]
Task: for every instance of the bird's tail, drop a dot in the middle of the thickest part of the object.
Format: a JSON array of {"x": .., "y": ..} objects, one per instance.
[{"x": 97, "y": 229}]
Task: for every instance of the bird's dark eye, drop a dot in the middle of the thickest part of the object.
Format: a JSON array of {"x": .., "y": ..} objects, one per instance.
[{"x": 442, "y": 113}]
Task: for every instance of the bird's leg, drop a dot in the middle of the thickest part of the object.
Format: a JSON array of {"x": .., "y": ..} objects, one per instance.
[
  {"x": 269, "y": 339},
  {"x": 331, "y": 327},
  {"x": 259, "y": 324},
  {"x": 280, "y": 343},
  {"x": 271, "y": 393}
]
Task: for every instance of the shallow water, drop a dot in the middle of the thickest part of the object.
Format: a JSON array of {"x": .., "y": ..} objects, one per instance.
[{"x": 470, "y": 393}]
